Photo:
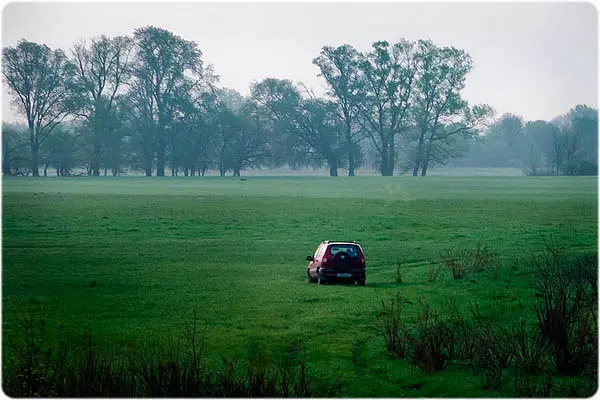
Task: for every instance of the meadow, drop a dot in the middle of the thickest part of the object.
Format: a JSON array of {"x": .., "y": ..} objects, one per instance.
[{"x": 130, "y": 260}]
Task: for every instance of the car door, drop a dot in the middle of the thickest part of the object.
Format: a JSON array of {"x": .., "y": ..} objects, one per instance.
[{"x": 312, "y": 266}]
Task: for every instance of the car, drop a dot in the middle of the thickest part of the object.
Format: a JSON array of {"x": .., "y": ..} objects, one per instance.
[{"x": 337, "y": 261}]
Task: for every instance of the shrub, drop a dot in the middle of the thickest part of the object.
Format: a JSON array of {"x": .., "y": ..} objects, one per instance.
[
  {"x": 432, "y": 347},
  {"x": 391, "y": 326},
  {"x": 483, "y": 345},
  {"x": 529, "y": 348},
  {"x": 567, "y": 312},
  {"x": 398, "y": 273},
  {"x": 483, "y": 258},
  {"x": 463, "y": 261},
  {"x": 28, "y": 372},
  {"x": 492, "y": 348},
  {"x": 464, "y": 332},
  {"x": 433, "y": 271},
  {"x": 456, "y": 261}
]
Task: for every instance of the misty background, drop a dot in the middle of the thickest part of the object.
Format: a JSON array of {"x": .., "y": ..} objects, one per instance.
[{"x": 529, "y": 62}]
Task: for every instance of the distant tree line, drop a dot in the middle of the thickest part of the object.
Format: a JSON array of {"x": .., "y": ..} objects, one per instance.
[
  {"x": 567, "y": 145},
  {"x": 149, "y": 102}
]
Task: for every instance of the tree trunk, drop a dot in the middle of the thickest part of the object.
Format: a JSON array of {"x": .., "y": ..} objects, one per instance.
[
  {"x": 186, "y": 171},
  {"x": 236, "y": 171},
  {"x": 203, "y": 171},
  {"x": 57, "y": 170},
  {"x": 425, "y": 160},
  {"x": 333, "y": 167},
  {"x": 35, "y": 154},
  {"x": 95, "y": 164},
  {"x": 350, "y": 144},
  {"x": 172, "y": 171},
  {"x": 46, "y": 169},
  {"x": 105, "y": 171},
  {"x": 193, "y": 171},
  {"x": 115, "y": 171},
  {"x": 387, "y": 161},
  {"x": 160, "y": 163},
  {"x": 424, "y": 170},
  {"x": 6, "y": 166},
  {"x": 148, "y": 164}
]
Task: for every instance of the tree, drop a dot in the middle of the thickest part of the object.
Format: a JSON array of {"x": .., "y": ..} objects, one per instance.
[
  {"x": 575, "y": 149},
  {"x": 138, "y": 109},
  {"x": 251, "y": 146},
  {"x": 165, "y": 65},
  {"x": 558, "y": 149},
  {"x": 15, "y": 149},
  {"x": 312, "y": 128},
  {"x": 102, "y": 70},
  {"x": 39, "y": 80},
  {"x": 582, "y": 138},
  {"x": 340, "y": 68},
  {"x": 62, "y": 150},
  {"x": 438, "y": 109},
  {"x": 540, "y": 136},
  {"x": 319, "y": 129},
  {"x": 388, "y": 81}
]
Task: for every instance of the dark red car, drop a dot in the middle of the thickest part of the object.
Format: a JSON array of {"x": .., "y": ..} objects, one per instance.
[{"x": 337, "y": 261}]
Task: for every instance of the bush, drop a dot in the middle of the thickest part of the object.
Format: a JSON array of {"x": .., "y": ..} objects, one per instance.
[
  {"x": 463, "y": 261},
  {"x": 483, "y": 345},
  {"x": 567, "y": 312},
  {"x": 456, "y": 261},
  {"x": 391, "y": 326},
  {"x": 398, "y": 273},
  {"x": 433, "y": 272},
  {"x": 493, "y": 345},
  {"x": 432, "y": 347},
  {"x": 529, "y": 348},
  {"x": 482, "y": 258}
]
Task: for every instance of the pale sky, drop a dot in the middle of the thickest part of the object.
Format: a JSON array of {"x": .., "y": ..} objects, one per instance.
[{"x": 536, "y": 60}]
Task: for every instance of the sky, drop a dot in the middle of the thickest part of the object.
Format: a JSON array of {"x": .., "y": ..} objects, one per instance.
[{"x": 536, "y": 60}]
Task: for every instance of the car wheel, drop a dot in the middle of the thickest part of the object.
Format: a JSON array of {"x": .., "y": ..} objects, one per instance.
[
  {"x": 362, "y": 282},
  {"x": 309, "y": 278}
]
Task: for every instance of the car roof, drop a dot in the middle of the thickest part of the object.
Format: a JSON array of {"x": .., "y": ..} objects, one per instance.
[{"x": 340, "y": 242}]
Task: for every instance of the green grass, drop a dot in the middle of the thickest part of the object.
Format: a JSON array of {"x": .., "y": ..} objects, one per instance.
[{"x": 129, "y": 259}]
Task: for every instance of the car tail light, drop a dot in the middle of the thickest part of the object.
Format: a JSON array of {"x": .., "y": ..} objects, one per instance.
[
  {"x": 324, "y": 260},
  {"x": 362, "y": 260}
]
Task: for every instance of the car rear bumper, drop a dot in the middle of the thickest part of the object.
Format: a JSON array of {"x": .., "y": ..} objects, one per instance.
[{"x": 352, "y": 274}]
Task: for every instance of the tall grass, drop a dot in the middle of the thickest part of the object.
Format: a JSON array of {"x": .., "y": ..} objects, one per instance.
[{"x": 40, "y": 366}]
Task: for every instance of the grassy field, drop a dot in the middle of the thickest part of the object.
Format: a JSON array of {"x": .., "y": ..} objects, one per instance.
[{"x": 130, "y": 259}]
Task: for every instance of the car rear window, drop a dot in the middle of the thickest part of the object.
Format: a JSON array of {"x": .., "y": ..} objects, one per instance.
[{"x": 349, "y": 249}]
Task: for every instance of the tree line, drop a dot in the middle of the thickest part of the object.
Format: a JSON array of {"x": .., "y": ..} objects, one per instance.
[
  {"x": 149, "y": 102},
  {"x": 566, "y": 145}
]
